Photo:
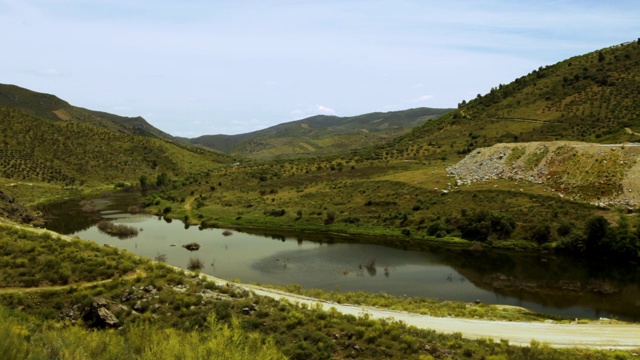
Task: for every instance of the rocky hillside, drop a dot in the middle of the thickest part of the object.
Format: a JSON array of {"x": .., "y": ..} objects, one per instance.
[{"x": 601, "y": 174}]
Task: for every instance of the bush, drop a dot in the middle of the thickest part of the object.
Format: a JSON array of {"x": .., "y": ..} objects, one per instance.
[
  {"x": 118, "y": 230},
  {"x": 195, "y": 264},
  {"x": 192, "y": 246},
  {"x": 330, "y": 219},
  {"x": 275, "y": 212}
]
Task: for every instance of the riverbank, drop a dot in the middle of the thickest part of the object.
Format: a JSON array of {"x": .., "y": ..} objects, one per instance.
[
  {"x": 179, "y": 294},
  {"x": 543, "y": 282}
]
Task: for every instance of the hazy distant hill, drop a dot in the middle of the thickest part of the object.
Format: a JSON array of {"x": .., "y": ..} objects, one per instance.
[
  {"x": 320, "y": 134},
  {"x": 593, "y": 97},
  {"x": 44, "y": 138}
]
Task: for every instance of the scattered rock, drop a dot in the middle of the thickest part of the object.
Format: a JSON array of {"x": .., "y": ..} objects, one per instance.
[
  {"x": 138, "y": 306},
  {"x": 98, "y": 316},
  {"x": 181, "y": 288}
]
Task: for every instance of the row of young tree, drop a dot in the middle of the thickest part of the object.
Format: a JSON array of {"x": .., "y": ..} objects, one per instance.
[{"x": 599, "y": 237}]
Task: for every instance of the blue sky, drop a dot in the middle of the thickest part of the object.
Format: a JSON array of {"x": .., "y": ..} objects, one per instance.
[{"x": 198, "y": 67}]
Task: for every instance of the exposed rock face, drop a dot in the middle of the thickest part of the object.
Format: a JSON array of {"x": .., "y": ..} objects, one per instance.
[{"x": 596, "y": 173}]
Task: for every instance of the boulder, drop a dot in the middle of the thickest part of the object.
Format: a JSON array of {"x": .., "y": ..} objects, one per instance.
[{"x": 98, "y": 316}]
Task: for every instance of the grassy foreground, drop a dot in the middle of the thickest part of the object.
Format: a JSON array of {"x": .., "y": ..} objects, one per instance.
[{"x": 183, "y": 316}]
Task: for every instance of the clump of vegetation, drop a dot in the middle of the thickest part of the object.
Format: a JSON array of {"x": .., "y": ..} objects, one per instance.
[
  {"x": 192, "y": 246},
  {"x": 161, "y": 257},
  {"x": 87, "y": 206},
  {"x": 195, "y": 264},
  {"x": 275, "y": 212},
  {"x": 119, "y": 230},
  {"x": 330, "y": 218},
  {"x": 515, "y": 154}
]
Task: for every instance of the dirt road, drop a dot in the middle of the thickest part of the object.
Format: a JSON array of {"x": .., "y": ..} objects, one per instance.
[{"x": 593, "y": 335}]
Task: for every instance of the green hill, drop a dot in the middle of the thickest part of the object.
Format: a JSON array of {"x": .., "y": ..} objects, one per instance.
[
  {"x": 320, "y": 135},
  {"x": 50, "y": 107},
  {"x": 593, "y": 97},
  {"x": 43, "y": 138}
]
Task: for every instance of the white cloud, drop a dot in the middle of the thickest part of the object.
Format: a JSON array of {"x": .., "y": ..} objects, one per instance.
[
  {"x": 325, "y": 110},
  {"x": 306, "y": 110}
]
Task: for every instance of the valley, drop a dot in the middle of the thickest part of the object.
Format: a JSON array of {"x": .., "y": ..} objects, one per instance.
[{"x": 524, "y": 196}]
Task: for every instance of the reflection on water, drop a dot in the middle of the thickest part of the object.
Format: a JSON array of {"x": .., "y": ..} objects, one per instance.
[{"x": 545, "y": 283}]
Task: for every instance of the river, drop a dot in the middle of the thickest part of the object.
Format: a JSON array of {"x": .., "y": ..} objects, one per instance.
[{"x": 540, "y": 282}]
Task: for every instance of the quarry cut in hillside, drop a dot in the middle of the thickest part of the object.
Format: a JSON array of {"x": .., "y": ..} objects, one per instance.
[{"x": 596, "y": 173}]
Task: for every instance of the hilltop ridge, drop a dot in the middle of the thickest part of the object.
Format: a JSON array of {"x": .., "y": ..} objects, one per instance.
[
  {"x": 44, "y": 138},
  {"x": 320, "y": 134},
  {"x": 593, "y": 97}
]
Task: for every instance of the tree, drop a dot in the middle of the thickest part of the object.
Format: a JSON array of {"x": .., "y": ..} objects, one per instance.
[
  {"x": 541, "y": 233},
  {"x": 595, "y": 232},
  {"x": 144, "y": 181},
  {"x": 162, "y": 179}
]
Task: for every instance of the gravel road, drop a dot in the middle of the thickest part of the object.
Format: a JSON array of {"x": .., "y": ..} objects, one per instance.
[{"x": 592, "y": 335}]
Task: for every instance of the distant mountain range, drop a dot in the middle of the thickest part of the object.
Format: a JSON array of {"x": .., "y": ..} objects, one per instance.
[{"x": 318, "y": 135}]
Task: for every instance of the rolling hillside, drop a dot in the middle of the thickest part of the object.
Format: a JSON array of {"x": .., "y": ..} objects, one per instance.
[
  {"x": 593, "y": 97},
  {"x": 320, "y": 135},
  {"x": 43, "y": 138},
  {"x": 50, "y": 107}
]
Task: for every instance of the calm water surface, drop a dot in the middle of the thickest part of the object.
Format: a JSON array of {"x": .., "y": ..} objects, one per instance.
[{"x": 543, "y": 283}]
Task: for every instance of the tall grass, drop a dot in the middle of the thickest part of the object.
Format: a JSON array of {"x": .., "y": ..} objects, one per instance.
[{"x": 140, "y": 341}]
